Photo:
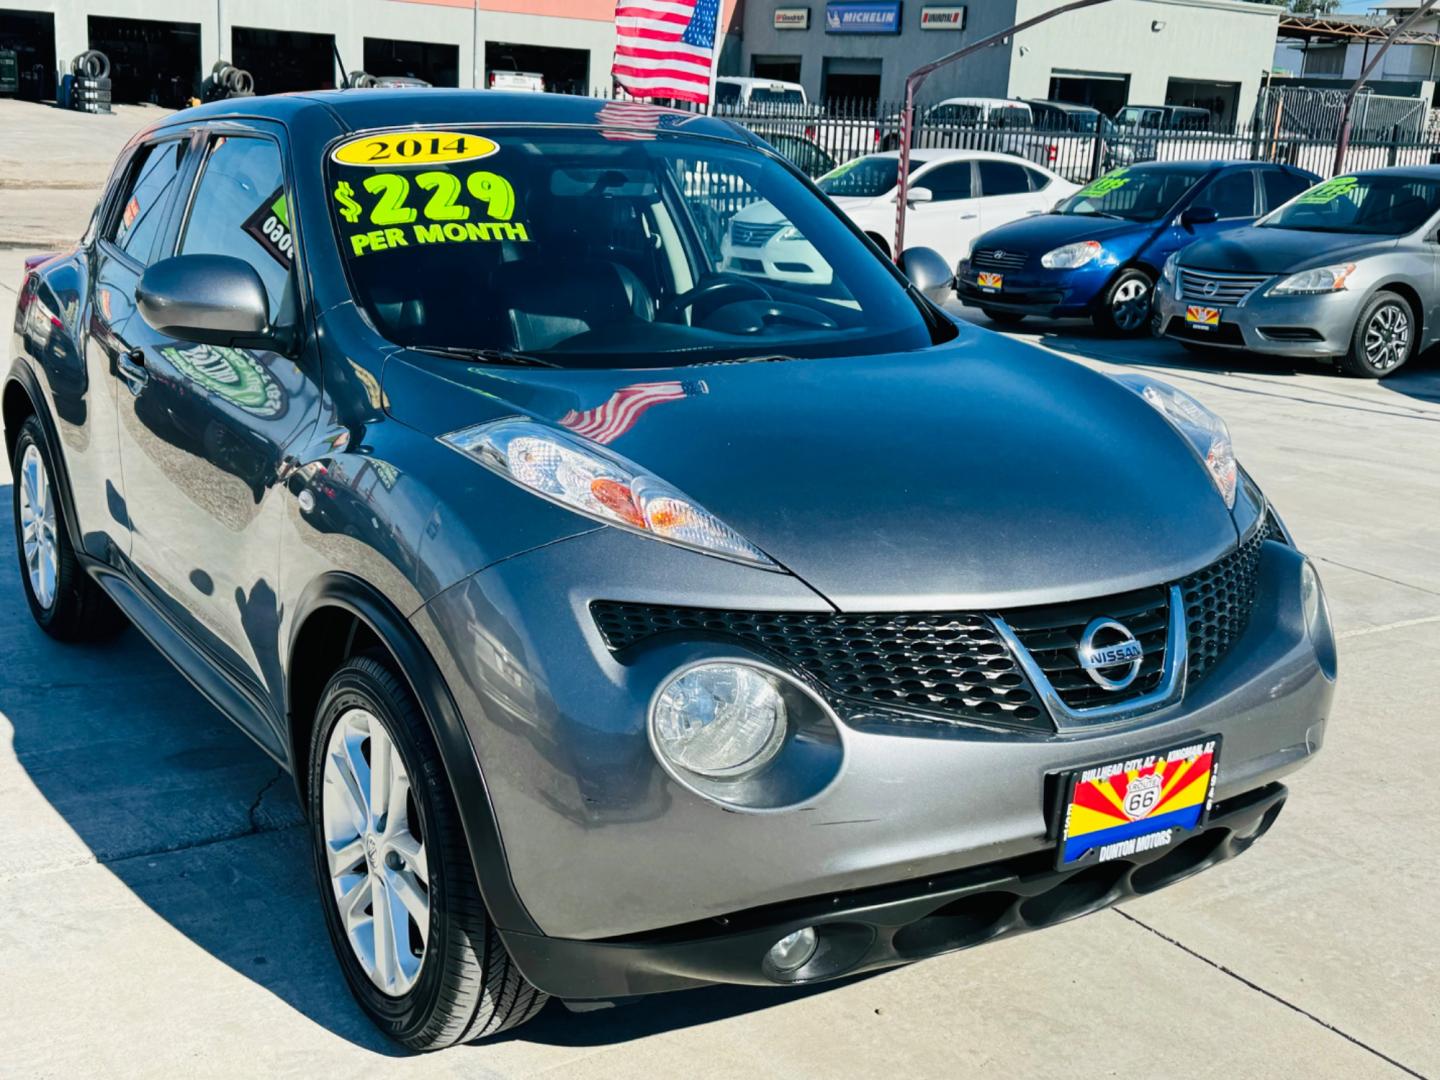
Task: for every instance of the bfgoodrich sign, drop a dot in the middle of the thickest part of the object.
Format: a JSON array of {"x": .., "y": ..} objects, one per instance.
[{"x": 792, "y": 18}]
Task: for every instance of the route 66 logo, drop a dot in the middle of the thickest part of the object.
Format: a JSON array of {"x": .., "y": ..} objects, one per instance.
[{"x": 1141, "y": 796}]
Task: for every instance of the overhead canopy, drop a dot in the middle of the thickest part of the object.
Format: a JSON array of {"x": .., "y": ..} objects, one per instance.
[{"x": 1340, "y": 29}]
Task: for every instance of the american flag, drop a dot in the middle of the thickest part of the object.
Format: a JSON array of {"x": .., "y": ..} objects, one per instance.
[
  {"x": 665, "y": 48},
  {"x": 606, "y": 423},
  {"x": 634, "y": 120}
]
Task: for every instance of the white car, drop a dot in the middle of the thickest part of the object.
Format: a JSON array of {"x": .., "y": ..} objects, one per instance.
[{"x": 954, "y": 196}]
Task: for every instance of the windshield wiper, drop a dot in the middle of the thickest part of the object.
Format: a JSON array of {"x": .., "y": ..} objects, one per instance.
[
  {"x": 488, "y": 356},
  {"x": 1098, "y": 213}
]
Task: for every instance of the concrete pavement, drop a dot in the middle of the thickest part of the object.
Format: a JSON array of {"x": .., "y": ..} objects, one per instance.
[{"x": 161, "y": 916}]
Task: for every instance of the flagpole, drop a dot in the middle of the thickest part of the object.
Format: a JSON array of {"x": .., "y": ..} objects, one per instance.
[{"x": 715, "y": 58}]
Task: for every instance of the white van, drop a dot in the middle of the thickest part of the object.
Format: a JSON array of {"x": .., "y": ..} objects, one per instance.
[{"x": 739, "y": 92}]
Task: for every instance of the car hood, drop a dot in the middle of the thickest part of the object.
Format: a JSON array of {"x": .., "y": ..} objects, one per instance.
[
  {"x": 1045, "y": 232},
  {"x": 978, "y": 474},
  {"x": 1275, "y": 251}
]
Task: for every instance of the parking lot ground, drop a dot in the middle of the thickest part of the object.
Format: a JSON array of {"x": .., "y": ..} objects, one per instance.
[{"x": 161, "y": 914}]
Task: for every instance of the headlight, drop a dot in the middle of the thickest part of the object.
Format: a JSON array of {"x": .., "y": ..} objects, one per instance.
[
  {"x": 1317, "y": 619},
  {"x": 1071, "y": 255},
  {"x": 1205, "y": 431},
  {"x": 580, "y": 476},
  {"x": 1321, "y": 280},
  {"x": 720, "y": 719},
  {"x": 1167, "y": 272},
  {"x": 789, "y": 232}
]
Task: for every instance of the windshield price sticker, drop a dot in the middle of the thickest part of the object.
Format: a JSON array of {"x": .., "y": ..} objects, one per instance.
[
  {"x": 434, "y": 207},
  {"x": 398, "y": 148},
  {"x": 1111, "y": 181},
  {"x": 1329, "y": 191}
]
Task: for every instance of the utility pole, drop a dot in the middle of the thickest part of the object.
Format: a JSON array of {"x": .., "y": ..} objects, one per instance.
[
  {"x": 918, "y": 76},
  {"x": 1342, "y": 144}
]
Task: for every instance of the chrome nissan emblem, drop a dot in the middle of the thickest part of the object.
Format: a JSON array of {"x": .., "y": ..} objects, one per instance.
[
  {"x": 1210, "y": 288},
  {"x": 1109, "y": 654}
]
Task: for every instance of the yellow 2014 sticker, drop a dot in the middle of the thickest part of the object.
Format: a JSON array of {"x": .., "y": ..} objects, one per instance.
[{"x": 396, "y": 148}]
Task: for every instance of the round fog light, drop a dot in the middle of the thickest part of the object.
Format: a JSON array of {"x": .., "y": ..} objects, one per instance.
[
  {"x": 720, "y": 719},
  {"x": 793, "y": 951}
]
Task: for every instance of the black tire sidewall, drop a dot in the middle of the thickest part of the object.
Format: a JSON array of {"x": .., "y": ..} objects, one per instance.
[
  {"x": 1355, "y": 362},
  {"x": 1105, "y": 316},
  {"x": 356, "y": 685},
  {"x": 31, "y": 434}
]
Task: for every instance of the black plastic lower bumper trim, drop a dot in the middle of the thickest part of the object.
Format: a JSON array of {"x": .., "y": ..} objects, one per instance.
[{"x": 886, "y": 925}]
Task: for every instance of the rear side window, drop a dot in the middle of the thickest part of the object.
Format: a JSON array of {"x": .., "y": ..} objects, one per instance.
[
  {"x": 239, "y": 209},
  {"x": 1281, "y": 187},
  {"x": 1232, "y": 194},
  {"x": 150, "y": 185},
  {"x": 1003, "y": 178},
  {"x": 947, "y": 182}
]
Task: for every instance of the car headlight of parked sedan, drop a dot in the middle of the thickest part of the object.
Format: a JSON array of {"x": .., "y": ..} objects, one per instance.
[
  {"x": 1072, "y": 256},
  {"x": 1316, "y": 282},
  {"x": 1167, "y": 272}
]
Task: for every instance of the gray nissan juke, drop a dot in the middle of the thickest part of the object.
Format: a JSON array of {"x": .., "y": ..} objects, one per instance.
[{"x": 629, "y": 623}]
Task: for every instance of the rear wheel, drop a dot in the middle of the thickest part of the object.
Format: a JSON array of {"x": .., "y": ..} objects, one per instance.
[
  {"x": 1004, "y": 318},
  {"x": 397, "y": 884},
  {"x": 1125, "y": 307},
  {"x": 65, "y": 601},
  {"x": 1383, "y": 340}
]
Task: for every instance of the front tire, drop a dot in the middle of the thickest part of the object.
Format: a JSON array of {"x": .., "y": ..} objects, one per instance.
[
  {"x": 65, "y": 601},
  {"x": 1383, "y": 340},
  {"x": 397, "y": 884},
  {"x": 1125, "y": 307}
]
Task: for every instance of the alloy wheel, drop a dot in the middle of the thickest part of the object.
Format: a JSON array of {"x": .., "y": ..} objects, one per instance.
[
  {"x": 1387, "y": 337},
  {"x": 37, "y": 527},
  {"x": 1130, "y": 304},
  {"x": 375, "y": 852}
]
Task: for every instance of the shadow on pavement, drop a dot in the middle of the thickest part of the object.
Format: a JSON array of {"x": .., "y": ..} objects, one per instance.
[{"x": 204, "y": 828}]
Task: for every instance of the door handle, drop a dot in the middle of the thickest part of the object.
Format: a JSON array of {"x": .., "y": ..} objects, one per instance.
[
  {"x": 131, "y": 366},
  {"x": 968, "y": 217}
]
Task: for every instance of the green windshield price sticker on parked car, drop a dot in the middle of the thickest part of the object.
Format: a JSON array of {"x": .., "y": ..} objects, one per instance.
[
  {"x": 1329, "y": 191},
  {"x": 1106, "y": 184},
  {"x": 433, "y": 207}
]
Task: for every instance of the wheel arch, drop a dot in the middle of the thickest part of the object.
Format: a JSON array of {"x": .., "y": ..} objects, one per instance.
[
  {"x": 340, "y": 615},
  {"x": 1406, "y": 292}
]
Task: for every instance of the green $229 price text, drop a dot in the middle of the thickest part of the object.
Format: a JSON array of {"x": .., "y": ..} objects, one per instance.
[{"x": 439, "y": 213}]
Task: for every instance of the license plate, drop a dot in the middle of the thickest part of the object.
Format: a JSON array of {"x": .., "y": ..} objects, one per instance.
[
  {"x": 1124, "y": 808},
  {"x": 1202, "y": 318},
  {"x": 990, "y": 282}
]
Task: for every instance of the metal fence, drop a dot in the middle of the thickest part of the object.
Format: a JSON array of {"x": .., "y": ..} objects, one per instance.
[{"x": 1293, "y": 125}]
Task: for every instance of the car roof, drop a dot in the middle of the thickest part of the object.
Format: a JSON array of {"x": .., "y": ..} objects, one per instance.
[
  {"x": 1413, "y": 172},
  {"x": 360, "y": 110},
  {"x": 921, "y": 154},
  {"x": 751, "y": 80},
  {"x": 1063, "y": 106},
  {"x": 982, "y": 101}
]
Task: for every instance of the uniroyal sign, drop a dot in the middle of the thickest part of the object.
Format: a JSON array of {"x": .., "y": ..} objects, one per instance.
[
  {"x": 942, "y": 18},
  {"x": 792, "y": 18}
]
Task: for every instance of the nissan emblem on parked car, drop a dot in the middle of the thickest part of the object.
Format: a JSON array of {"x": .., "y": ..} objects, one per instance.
[
  {"x": 1210, "y": 288},
  {"x": 1105, "y": 646}
]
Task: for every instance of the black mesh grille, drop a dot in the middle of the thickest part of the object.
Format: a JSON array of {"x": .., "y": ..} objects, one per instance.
[
  {"x": 1052, "y": 634},
  {"x": 1219, "y": 600},
  {"x": 948, "y": 664}
]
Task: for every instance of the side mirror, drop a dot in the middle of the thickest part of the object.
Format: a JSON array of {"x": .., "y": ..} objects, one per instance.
[
  {"x": 918, "y": 195},
  {"x": 1199, "y": 215},
  {"x": 929, "y": 272},
  {"x": 212, "y": 299}
]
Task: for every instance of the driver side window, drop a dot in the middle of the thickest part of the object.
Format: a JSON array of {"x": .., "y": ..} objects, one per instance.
[
  {"x": 1232, "y": 194},
  {"x": 947, "y": 182}
]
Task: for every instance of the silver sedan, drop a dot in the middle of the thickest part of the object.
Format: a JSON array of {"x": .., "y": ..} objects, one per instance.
[{"x": 1347, "y": 271}]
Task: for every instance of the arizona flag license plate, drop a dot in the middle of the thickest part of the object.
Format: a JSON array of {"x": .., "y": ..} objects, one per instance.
[
  {"x": 1124, "y": 808},
  {"x": 990, "y": 282},
  {"x": 1202, "y": 318}
]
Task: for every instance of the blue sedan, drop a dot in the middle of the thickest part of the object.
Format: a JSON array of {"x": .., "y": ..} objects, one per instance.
[{"x": 1098, "y": 254}]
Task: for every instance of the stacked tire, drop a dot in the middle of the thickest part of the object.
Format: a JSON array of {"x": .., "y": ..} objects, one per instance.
[
  {"x": 227, "y": 81},
  {"x": 90, "y": 87}
]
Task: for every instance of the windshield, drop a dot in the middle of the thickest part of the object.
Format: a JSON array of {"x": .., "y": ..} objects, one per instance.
[
  {"x": 764, "y": 95},
  {"x": 866, "y": 177},
  {"x": 1377, "y": 205},
  {"x": 624, "y": 248},
  {"x": 1134, "y": 193}
]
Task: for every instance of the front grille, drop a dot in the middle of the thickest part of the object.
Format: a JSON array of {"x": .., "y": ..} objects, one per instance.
[
  {"x": 746, "y": 234},
  {"x": 1219, "y": 600},
  {"x": 952, "y": 665},
  {"x": 1211, "y": 287},
  {"x": 1052, "y": 634},
  {"x": 998, "y": 259}
]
